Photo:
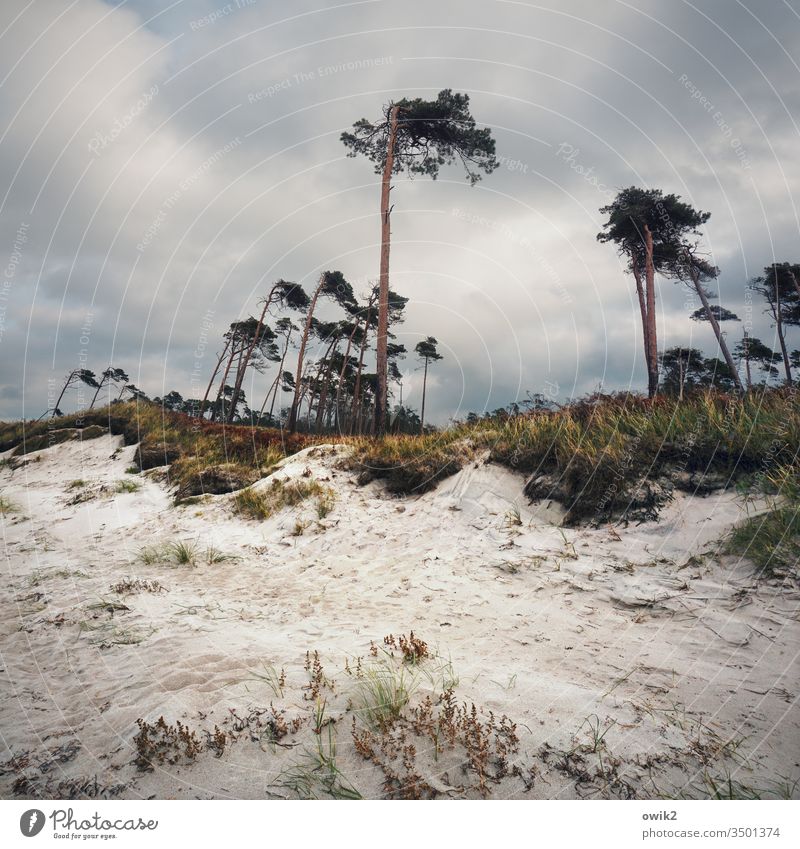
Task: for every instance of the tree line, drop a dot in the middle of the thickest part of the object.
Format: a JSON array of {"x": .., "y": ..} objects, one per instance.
[{"x": 655, "y": 233}]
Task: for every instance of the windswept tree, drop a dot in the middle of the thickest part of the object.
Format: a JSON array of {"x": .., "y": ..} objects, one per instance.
[
  {"x": 684, "y": 368},
  {"x": 695, "y": 271},
  {"x": 333, "y": 285},
  {"x": 288, "y": 295},
  {"x": 284, "y": 329},
  {"x": 110, "y": 377},
  {"x": 426, "y": 351},
  {"x": 74, "y": 378},
  {"x": 647, "y": 227},
  {"x": 777, "y": 287},
  {"x": 753, "y": 351},
  {"x": 416, "y": 136},
  {"x": 239, "y": 340}
]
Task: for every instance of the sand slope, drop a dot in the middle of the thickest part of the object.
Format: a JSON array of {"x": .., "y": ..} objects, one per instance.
[{"x": 632, "y": 662}]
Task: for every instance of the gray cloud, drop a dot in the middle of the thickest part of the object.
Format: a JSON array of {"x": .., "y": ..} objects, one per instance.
[{"x": 165, "y": 164}]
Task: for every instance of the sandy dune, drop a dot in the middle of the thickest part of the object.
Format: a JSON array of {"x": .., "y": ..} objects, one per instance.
[{"x": 634, "y": 660}]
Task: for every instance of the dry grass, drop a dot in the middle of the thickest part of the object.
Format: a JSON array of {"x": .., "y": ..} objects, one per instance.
[{"x": 265, "y": 502}]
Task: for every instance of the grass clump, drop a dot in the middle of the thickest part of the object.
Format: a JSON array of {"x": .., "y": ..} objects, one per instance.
[
  {"x": 383, "y": 689},
  {"x": 181, "y": 553},
  {"x": 772, "y": 539},
  {"x": 263, "y": 503},
  {"x": 128, "y": 486},
  {"x": 410, "y": 464},
  {"x": 7, "y": 506}
]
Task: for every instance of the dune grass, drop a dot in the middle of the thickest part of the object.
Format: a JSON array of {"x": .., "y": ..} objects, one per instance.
[
  {"x": 7, "y": 506},
  {"x": 772, "y": 539},
  {"x": 187, "y": 444},
  {"x": 598, "y": 456},
  {"x": 595, "y": 455},
  {"x": 265, "y": 502}
]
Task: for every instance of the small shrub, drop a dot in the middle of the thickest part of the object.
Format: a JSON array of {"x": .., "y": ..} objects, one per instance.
[
  {"x": 412, "y": 648},
  {"x": 128, "y": 586},
  {"x": 160, "y": 743}
]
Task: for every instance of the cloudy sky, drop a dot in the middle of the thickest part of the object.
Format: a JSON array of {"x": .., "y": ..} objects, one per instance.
[{"x": 161, "y": 163}]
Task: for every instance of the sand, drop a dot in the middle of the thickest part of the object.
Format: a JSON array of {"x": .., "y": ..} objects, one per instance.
[{"x": 635, "y": 661}]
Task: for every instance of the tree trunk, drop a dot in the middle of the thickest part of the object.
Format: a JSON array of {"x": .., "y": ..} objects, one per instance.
[
  {"x": 637, "y": 276},
  {"x": 715, "y": 326},
  {"x": 278, "y": 379},
  {"x": 357, "y": 388},
  {"x": 779, "y": 327},
  {"x": 343, "y": 370},
  {"x": 97, "y": 392},
  {"x": 303, "y": 342},
  {"x": 650, "y": 299},
  {"x": 323, "y": 394},
  {"x": 213, "y": 375},
  {"x": 424, "y": 385},
  {"x": 795, "y": 281},
  {"x": 382, "y": 361},
  {"x": 246, "y": 361},
  {"x": 68, "y": 382},
  {"x": 221, "y": 390},
  {"x": 747, "y": 361}
]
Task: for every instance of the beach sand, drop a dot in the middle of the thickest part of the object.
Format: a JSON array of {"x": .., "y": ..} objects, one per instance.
[{"x": 633, "y": 661}]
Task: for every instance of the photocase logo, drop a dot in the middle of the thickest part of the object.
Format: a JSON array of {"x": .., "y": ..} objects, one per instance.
[{"x": 31, "y": 822}]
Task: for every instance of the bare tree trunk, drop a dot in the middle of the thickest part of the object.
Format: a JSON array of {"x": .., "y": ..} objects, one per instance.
[
  {"x": 779, "y": 326},
  {"x": 650, "y": 300},
  {"x": 213, "y": 375},
  {"x": 256, "y": 338},
  {"x": 357, "y": 389},
  {"x": 342, "y": 371},
  {"x": 747, "y": 360},
  {"x": 637, "y": 276},
  {"x": 68, "y": 382},
  {"x": 424, "y": 385},
  {"x": 715, "y": 326},
  {"x": 278, "y": 380},
  {"x": 795, "y": 281},
  {"x": 323, "y": 397},
  {"x": 97, "y": 392},
  {"x": 292, "y": 423},
  {"x": 221, "y": 390},
  {"x": 382, "y": 360}
]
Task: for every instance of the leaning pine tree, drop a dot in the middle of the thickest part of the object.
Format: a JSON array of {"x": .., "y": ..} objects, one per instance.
[
  {"x": 648, "y": 228},
  {"x": 417, "y": 136},
  {"x": 426, "y": 351}
]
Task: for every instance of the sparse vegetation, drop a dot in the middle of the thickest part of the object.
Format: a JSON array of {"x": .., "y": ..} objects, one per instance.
[
  {"x": 265, "y": 502},
  {"x": 128, "y": 486},
  {"x": 7, "y": 506},
  {"x": 772, "y": 539},
  {"x": 181, "y": 553},
  {"x": 128, "y": 586}
]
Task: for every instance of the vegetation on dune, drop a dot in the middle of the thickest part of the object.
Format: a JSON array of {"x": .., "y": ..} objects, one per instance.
[
  {"x": 772, "y": 539},
  {"x": 189, "y": 446},
  {"x": 263, "y": 503},
  {"x": 601, "y": 455}
]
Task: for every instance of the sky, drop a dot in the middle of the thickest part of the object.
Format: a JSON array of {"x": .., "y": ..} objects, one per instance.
[{"x": 161, "y": 163}]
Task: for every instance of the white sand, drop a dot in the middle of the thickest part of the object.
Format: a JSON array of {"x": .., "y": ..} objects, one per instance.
[{"x": 689, "y": 663}]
